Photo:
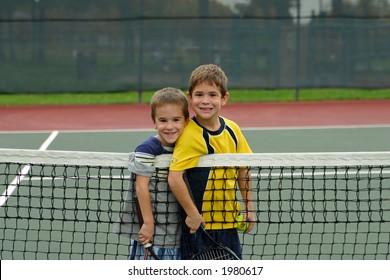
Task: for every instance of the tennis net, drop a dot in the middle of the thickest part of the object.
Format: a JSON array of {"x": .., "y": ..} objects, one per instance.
[{"x": 64, "y": 205}]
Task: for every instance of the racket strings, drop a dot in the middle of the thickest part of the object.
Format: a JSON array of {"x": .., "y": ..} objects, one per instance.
[{"x": 214, "y": 254}]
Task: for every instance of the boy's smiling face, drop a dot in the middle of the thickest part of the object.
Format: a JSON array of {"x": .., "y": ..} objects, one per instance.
[
  {"x": 170, "y": 122},
  {"x": 207, "y": 101}
]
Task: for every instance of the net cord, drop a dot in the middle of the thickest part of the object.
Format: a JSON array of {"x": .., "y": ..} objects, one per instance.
[{"x": 217, "y": 160}]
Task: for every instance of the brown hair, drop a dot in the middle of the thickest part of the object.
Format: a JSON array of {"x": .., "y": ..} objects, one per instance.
[
  {"x": 211, "y": 74},
  {"x": 169, "y": 95}
]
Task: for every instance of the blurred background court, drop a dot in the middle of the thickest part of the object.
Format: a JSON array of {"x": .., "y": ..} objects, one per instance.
[{"x": 262, "y": 140}]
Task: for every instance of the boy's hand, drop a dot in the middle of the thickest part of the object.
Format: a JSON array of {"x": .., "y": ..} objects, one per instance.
[
  {"x": 194, "y": 221},
  {"x": 146, "y": 233},
  {"x": 250, "y": 218}
]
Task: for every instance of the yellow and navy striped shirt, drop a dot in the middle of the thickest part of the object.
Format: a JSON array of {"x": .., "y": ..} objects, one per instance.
[{"x": 216, "y": 198}]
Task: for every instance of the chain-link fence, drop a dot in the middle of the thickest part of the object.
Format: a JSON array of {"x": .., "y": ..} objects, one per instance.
[{"x": 49, "y": 46}]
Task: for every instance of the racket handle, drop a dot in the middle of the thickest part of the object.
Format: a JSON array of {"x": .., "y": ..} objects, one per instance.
[
  {"x": 148, "y": 245},
  {"x": 139, "y": 213}
]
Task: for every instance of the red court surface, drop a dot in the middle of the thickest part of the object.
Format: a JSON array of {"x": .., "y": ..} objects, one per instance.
[{"x": 247, "y": 115}]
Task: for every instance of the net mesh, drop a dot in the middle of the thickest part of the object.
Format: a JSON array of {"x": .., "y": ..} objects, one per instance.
[{"x": 63, "y": 205}]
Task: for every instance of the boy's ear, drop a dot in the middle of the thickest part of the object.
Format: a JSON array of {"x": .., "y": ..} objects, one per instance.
[
  {"x": 189, "y": 95},
  {"x": 154, "y": 123},
  {"x": 225, "y": 98}
]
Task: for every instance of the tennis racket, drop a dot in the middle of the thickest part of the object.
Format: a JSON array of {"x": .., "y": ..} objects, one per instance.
[
  {"x": 149, "y": 246},
  {"x": 215, "y": 252}
]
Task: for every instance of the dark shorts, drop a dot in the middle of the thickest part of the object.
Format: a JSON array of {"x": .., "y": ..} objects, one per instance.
[{"x": 193, "y": 243}]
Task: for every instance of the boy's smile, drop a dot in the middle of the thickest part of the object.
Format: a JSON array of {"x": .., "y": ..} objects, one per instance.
[
  {"x": 207, "y": 101},
  {"x": 170, "y": 123}
]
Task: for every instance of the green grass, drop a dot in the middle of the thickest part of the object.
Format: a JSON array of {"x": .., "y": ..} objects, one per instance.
[{"x": 235, "y": 96}]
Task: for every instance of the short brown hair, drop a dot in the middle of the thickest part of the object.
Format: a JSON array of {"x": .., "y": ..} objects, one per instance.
[
  {"x": 211, "y": 74},
  {"x": 169, "y": 95}
]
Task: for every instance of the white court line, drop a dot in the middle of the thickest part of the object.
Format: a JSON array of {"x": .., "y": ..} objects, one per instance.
[
  {"x": 15, "y": 182},
  {"x": 363, "y": 126}
]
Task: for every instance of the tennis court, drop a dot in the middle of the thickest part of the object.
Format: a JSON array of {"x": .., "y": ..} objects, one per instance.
[
  {"x": 270, "y": 127},
  {"x": 40, "y": 203}
]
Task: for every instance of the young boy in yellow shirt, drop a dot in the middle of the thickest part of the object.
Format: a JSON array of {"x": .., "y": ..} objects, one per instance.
[{"x": 215, "y": 204}]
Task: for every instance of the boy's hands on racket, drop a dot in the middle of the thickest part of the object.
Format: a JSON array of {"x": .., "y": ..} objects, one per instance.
[
  {"x": 146, "y": 233},
  {"x": 194, "y": 221}
]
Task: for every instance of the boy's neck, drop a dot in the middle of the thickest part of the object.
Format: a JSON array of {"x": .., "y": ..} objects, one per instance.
[{"x": 211, "y": 124}]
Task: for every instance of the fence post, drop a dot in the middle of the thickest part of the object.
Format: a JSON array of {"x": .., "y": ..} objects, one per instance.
[
  {"x": 298, "y": 52},
  {"x": 141, "y": 53}
]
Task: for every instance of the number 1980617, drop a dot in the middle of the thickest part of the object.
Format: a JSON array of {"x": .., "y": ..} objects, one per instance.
[{"x": 237, "y": 270}]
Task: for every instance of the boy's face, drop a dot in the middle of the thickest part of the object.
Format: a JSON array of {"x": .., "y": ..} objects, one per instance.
[
  {"x": 207, "y": 101},
  {"x": 170, "y": 122}
]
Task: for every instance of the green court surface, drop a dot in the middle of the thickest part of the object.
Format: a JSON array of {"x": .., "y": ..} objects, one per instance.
[{"x": 314, "y": 139}]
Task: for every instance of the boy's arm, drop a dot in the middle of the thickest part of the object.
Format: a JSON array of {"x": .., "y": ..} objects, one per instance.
[
  {"x": 245, "y": 185},
  {"x": 179, "y": 189},
  {"x": 146, "y": 232}
]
